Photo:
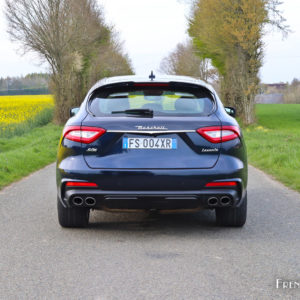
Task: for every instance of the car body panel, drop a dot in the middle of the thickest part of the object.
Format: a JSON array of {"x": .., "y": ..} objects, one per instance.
[{"x": 190, "y": 145}]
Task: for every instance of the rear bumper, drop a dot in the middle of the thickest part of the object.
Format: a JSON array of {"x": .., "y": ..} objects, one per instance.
[
  {"x": 162, "y": 189},
  {"x": 227, "y": 167}
]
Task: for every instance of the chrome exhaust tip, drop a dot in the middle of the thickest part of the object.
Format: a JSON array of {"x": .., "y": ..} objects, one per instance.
[
  {"x": 77, "y": 201},
  {"x": 225, "y": 201},
  {"x": 213, "y": 201},
  {"x": 90, "y": 201}
]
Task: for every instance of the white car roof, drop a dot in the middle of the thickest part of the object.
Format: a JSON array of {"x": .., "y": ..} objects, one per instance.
[{"x": 159, "y": 78}]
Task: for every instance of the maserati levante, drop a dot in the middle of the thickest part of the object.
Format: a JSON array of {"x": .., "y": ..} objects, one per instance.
[{"x": 162, "y": 144}]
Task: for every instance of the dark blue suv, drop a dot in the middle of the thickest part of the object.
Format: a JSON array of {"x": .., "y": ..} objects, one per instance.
[{"x": 139, "y": 144}]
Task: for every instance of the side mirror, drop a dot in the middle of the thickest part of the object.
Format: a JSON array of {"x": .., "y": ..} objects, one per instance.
[
  {"x": 74, "y": 111},
  {"x": 231, "y": 111}
]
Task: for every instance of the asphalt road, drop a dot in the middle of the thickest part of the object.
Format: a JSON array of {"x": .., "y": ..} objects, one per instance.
[{"x": 138, "y": 256}]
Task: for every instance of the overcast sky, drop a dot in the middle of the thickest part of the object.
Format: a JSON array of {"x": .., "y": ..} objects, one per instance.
[{"x": 151, "y": 29}]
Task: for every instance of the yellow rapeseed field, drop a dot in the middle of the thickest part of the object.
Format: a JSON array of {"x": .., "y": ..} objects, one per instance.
[{"x": 18, "y": 109}]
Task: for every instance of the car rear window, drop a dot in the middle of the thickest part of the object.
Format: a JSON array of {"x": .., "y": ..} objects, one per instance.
[{"x": 163, "y": 101}]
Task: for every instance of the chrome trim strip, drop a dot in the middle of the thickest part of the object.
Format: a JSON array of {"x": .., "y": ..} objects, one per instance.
[{"x": 150, "y": 132}]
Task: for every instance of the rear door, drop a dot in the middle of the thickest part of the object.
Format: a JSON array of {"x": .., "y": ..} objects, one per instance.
[{"x": 166, "y": 139}]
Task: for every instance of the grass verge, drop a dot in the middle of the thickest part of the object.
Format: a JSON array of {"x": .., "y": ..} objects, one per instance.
[
  {"x": 22, "y": 155},
  {"x": 273, "y": 143}
]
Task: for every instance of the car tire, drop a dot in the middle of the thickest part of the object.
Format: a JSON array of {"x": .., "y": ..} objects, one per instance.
[
  {"x": 72, "y": 216},
  {"x": 232, "y": 216}
]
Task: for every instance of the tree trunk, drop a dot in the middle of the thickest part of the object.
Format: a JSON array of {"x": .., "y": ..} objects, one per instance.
[
  {"x": 248, "y": 115},
  {"x": 62, "y": 95}
]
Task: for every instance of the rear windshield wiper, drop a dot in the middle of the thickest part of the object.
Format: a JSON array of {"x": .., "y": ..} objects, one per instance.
[{"x": 137, "y": 111}]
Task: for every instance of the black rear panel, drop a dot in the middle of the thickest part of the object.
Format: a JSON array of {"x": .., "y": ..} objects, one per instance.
[{"x": 193, "y": 151}]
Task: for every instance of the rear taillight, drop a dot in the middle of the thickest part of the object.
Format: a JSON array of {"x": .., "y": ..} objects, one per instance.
[
  {"x": 219, "y": 134},
  {"x": 221, "y": 184},
  {"x": 83, "y": 134},
  {"x": 81, "y": 184}
]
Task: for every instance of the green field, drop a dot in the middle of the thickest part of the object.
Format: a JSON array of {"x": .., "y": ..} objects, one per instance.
[
  {"x": 22, "y": 155},
  {"x": 28, "y": 139},
  {"x": 274, "y": 142}
]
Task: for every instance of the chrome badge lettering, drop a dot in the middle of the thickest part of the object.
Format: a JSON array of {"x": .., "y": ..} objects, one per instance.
[
  {"x": 210, "y": 150},
  {"x": 92, "y": 150},
  {"x": 139, "y": 127}
]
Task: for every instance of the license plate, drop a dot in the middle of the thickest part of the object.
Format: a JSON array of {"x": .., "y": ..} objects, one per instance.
[{"x": 149, "y": 143}]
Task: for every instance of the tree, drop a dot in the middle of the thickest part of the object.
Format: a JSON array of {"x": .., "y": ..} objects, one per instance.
[
  {"x": 30, "y": 81},
  {"x": 111, "y": 61},
  {"x": 68, "y": 35},
  {"x": 184, "y": 61},
  {"x": 292, "y": 92},
  {"x": 230, "y": 34}
]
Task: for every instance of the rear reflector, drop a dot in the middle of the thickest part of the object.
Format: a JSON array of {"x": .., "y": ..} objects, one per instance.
[
  {"x": 219, "y": 134},
  {"x": 81, "y": 184},
  {"x": 221, "y": 184},
  {"x": 83, "y": 134}
]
